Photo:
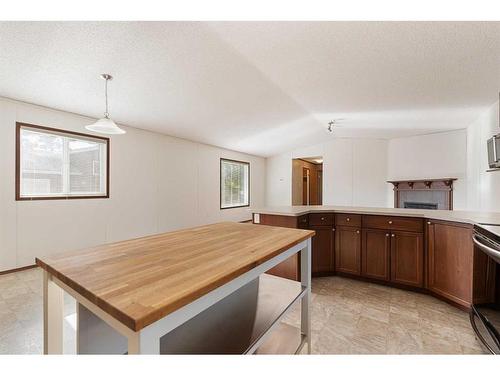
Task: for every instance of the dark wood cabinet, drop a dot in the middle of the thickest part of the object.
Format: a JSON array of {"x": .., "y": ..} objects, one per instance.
[
  {"x": 450, "y": 256},
  {"x": 375, "y": 253},
  {"x": 348, "y": 220},
  {"x": 348, "y": 250},
  {"x": 408, "y": 224},
  {"x": 405, "y": 252},
  {"x": 290, "y": 268},
  {"x": 321, "y": 219},
  {"x": 407, "y": 258},
  {"x": 322, "y": 250}
]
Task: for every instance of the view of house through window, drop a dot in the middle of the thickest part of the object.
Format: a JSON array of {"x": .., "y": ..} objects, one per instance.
[
  {"x": 234, "y": 183},
  {"x": 55, "y": 163}
]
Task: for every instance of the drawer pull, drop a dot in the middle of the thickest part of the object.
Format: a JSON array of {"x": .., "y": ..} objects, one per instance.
[
  {"x": 429, "y": 223},
  {"x": 390, "y": 221},
  {"x": 357, "y": 231},
  {"x": 333, "y": 229},
  {"x": 387, "y": 234},
  {"x": 348, "y": 219},
  {"x": 322, "y": 218},
  {"x": 393, "y": 235}
]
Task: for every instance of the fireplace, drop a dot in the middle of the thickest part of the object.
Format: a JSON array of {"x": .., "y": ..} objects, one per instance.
[
  {"x": 422, "y": 206},
  {"x": 431, "y": 194}
]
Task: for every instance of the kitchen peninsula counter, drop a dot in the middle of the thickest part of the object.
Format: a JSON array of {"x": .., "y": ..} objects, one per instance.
[
  {"x": 429, "y": 251},
  {"x": 467, "y": 217}
]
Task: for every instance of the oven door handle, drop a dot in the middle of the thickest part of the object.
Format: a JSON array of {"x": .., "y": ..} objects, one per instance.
[
  {"x": 495, "y": 254},
  {"x": 472, "y": 314}
]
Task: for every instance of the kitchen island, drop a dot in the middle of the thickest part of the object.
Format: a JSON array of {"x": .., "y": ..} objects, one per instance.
[
  {"x": 199, "y": 290},
  {"x": 429, "y": 251}
]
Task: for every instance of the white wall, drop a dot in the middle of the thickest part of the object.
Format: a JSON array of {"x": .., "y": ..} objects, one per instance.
[
  {"x": 431, "y": 156},
  {"x": 157, "y": 183},
  {"x": 279, "y": 180},
  {"x": 354, "y": 173},
  {"x": 483, "y": 187}
]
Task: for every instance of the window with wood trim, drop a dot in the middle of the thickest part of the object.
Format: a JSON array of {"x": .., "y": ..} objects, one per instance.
[
  {"x": 59, "y": 164},
  {"x": 234, "y": 183}
]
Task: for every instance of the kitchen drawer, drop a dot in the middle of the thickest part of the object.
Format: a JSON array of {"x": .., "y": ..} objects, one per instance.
[
  {"x": 321, "y": 219},
  {"x": 393, "y": 223},
  {"x": 348, "y": 220},
  {"x": 303, "y": 222}
]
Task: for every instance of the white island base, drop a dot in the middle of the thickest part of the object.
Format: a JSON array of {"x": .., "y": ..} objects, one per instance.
[{"x": 243, "y": 316}]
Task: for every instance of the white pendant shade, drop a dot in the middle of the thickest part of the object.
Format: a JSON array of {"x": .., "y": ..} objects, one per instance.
[{"x": 105, "y": 126}]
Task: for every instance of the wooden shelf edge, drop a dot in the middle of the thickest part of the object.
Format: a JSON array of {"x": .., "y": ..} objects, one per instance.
[
  {"x": 276, "y": 325},
  {"x": 285, "y": 339}
]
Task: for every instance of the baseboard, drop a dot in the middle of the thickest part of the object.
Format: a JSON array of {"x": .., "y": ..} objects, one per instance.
[{"x": 17, "y": 269}]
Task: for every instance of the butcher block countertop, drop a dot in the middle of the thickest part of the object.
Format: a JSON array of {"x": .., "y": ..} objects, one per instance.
[
  {"x": 140, "y": 281},
  {"x": 468, "y": 217}
]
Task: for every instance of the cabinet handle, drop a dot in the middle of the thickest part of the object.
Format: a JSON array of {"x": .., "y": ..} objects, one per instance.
[
  {"x": 429, "y": 223},
  {"x": 393, "y": 235},
  {"x": 348, "y": 219},
  {"x": 322, "y": 218},
  {"x": 357, "y": 231},
  {"x": 390, "y": 221},
  {"x": 387, "y": 234},
  {"x": 333, "y": 229}
]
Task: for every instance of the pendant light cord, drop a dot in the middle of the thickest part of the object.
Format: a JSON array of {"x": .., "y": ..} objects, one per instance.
[{"x": 106, "y": 114}]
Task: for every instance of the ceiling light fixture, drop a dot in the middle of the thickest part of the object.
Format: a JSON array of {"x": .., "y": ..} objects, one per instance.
[
  {"x": 105, "y": 125},
  {"x": 330, "y": 126},
  {"x": 333, "y": 124}
]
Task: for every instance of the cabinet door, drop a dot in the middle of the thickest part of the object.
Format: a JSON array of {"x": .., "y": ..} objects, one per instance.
[
  {"x": 450, "y": 253},
  {"x": 407, "y": 258},
  {"x": 322, "y": 249},
  {"x": 375, "y": 254},
  {"x": 348, "y": 250}
]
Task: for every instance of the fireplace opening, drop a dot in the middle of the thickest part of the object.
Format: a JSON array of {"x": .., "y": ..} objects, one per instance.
[
  {"x": 422, "y": 206},
  {"x": 430, "y": 194}
]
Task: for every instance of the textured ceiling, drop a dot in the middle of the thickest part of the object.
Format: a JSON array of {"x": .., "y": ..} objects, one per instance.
[{"x": 259, "y": 87}]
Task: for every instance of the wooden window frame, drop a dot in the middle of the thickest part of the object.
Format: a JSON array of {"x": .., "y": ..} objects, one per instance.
[
  {"x": 20, "y": 125},
  {"x": 220, "y": 183}
]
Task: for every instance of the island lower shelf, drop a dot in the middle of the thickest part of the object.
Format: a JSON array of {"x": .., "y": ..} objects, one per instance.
[{"x": 247, "y": 321}]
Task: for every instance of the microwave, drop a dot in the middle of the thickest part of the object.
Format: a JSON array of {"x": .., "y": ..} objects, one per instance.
[{"x": 494, "y": 151}]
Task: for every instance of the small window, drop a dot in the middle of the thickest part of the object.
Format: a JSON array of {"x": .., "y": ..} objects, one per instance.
[
  {"x": 58, "y": 164},
  {"x": 234, "y": 183}
]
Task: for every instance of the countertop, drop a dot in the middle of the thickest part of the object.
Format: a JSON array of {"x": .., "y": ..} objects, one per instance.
[
  {"x": 140, "y": 281},
  {"x": 470, "y": 217}
]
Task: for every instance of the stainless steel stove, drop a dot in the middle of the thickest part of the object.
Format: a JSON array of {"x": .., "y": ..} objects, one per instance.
[{"x": 485, "y": 313}]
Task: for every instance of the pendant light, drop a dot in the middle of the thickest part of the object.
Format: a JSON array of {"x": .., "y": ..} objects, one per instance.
[{"x": 105, "y": 125}]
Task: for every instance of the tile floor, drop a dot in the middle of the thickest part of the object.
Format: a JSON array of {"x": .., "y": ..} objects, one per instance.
[{"x": 348, "y": 317}]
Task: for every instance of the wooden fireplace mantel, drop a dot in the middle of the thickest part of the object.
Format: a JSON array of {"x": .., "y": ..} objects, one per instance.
[
  {"x": 429, "y": 183},
  {"x": 436, "y": 184}
]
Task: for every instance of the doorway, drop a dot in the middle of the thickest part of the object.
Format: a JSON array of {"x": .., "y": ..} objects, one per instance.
[{"x": 307, "y": 181}]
